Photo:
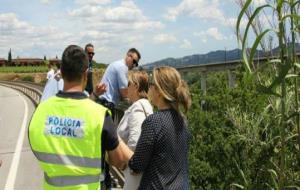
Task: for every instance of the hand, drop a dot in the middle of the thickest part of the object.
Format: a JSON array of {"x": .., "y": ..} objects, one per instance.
[{"x": 100, "y": 89}]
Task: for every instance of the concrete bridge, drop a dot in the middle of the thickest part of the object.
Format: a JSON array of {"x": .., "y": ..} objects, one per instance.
[{"x": 229, "y": 66}]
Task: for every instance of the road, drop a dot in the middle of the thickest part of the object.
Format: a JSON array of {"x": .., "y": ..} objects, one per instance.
[{"x": 19, "y": 170}]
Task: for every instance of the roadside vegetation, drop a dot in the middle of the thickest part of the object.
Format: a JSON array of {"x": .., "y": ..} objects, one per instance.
[
  {"x": 247, "y": 137},
  {"x": 23, "y": 69}
]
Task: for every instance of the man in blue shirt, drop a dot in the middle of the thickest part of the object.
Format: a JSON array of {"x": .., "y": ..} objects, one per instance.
[{"x": 115, "y": 78}]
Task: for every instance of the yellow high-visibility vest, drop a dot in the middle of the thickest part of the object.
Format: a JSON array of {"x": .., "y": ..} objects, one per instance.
[{"x": 65, "y": 136}]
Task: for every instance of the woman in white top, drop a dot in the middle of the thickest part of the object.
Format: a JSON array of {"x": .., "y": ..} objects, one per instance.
[{"x": 129, "y": 128}]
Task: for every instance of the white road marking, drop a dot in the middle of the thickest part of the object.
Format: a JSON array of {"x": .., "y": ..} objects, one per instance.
[{"x": 10, "y": 181}]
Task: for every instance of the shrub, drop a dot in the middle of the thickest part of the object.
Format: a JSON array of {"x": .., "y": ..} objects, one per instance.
[{"x": 28, "y": 78}]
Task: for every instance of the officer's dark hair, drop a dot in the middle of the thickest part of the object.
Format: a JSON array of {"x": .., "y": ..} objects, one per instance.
[
  {"x": 133, "y": 50},
  {"x": 88, "y": 45},
  {"x": 74, "y": 63}
]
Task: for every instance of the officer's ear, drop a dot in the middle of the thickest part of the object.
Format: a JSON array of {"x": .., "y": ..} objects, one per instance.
[{"x": 85, "y": 74}]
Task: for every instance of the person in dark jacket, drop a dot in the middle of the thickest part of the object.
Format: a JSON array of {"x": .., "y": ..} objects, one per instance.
[
  {"x": 161, "y": 153},
  {"x": 89, "y": 49}
]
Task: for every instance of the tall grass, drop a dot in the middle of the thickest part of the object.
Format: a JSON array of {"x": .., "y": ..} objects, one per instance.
[{"x": 282, "y": 86}]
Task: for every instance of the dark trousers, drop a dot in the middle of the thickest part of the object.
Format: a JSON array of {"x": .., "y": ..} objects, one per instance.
[
  {"x": 111, "y": 107},
  {"x": 89, "y": 84}
]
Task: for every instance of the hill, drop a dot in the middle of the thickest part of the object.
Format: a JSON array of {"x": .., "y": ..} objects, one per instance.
[{"x": 211, "y": 57}]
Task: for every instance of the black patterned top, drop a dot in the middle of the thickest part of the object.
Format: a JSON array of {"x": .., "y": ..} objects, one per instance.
[{"x": 162, "y": 152}]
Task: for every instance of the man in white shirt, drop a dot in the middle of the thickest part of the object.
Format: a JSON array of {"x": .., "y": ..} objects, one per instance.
[{"x": 50, "y": 74}]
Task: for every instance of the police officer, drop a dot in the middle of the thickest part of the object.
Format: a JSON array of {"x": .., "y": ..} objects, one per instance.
[{"x": 69, "y": 133}]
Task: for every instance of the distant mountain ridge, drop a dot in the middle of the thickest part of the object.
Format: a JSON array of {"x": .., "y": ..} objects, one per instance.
[{"x": 211, "y": 57}]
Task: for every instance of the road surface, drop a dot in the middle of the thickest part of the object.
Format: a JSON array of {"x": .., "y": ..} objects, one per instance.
[{"x": 19, "y": 170}]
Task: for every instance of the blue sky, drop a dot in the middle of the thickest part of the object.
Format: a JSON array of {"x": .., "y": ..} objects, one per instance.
[{"x": 158, "y": 29}]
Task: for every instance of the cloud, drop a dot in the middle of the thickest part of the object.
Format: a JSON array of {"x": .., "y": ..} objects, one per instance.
[
  {"x": 22, "y": 36},
  {"x": 202, "y": 9},
  {"x": 97, "y": 35},
  {"x": 164, "y": 39},
  {"x": 92, "y": 2},
  {"x": 111, "y": 28},
  {"x": 212, "y": 32},
  {"x": 46, "y": 1},
  {"x": 186, "y": 44},
  {"x": 125, "y": 16},
  {"x": 259, "y": 2}
]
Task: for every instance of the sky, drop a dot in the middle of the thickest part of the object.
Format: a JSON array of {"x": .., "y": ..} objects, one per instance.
[{"x": 157, "y": 28}]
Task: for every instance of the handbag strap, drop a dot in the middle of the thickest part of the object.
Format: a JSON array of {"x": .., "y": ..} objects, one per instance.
[{"x": 144, "y": 109}]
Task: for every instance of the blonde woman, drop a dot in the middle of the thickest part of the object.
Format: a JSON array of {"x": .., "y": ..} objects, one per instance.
[
  {"x": 129, "y": 128},
  {"x": 162, "y": 150}
]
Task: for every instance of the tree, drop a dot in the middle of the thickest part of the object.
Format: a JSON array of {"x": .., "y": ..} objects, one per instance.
[
  {"x": 45, "y": 58},
  {"x": 9, "y": 57}
]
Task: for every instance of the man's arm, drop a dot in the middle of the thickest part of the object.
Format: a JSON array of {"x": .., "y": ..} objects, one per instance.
[
  {"x": 122, "y": 82},
  {"x": 118, "y": 152},
  {"x": 120, "y": 155},
  {"x": 99, "y": 90}
]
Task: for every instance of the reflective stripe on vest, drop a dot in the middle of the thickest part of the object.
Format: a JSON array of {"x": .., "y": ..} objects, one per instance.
[
  {"x": 68, "y": 160},
  {"x": 62, "y": 181}
]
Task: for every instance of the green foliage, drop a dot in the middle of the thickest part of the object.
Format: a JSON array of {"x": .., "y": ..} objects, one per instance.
[
  {"x": 46, "y": 62},
  {"x": 235, "y": 138},
  {"x": 248, "y": 137},
  {"x": 28, "y": 78},
  {"x": 280, "y": 86},
  {"x": 98, "y": 65},
  {"x": 24, "y": 69}
]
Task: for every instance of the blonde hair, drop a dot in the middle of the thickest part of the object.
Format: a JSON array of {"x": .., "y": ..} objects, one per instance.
[
  {"x": 139, "y": 78},
  {"x": 170, "y": 85}
]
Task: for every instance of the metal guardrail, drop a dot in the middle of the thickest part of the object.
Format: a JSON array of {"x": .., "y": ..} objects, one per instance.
[{"x": 34, "y": 92}]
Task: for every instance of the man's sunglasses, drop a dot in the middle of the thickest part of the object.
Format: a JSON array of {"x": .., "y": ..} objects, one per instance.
[
  {"x": 91, "y": 53},
  {"x": 135, "y": 62}
]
